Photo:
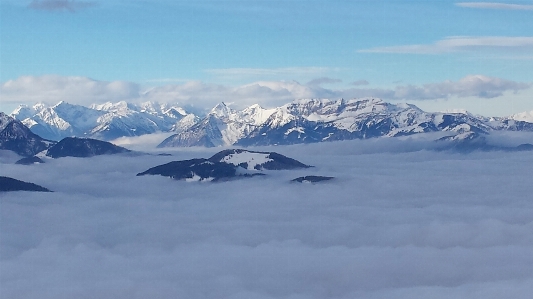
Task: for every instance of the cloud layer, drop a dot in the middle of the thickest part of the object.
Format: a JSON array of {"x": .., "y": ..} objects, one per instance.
[
  {"x": 53, "y": 88},
  {"x": 392, "y": 225},
  {"x": 200, "y": 95}
]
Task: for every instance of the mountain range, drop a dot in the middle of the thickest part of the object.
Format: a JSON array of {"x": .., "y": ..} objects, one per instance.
[
  {"x": 309, "y": 121},
  {"x": 105, "y": 121},
  {"x": 16, "y": 137},
  {"x": 301, "y": 121}
]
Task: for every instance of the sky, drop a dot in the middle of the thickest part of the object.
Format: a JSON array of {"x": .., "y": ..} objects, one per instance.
[
  {"x": 396, "y": 222},
  {"x": 439, "y": 55}
]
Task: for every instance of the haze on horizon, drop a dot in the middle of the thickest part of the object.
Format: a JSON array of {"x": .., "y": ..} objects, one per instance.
[{"x": 438, "y": 55}]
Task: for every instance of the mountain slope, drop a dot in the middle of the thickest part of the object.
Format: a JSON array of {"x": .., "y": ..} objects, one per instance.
[
  {"x": 82, "y": 148},
  {"x": 301, "y": 121},
  {"x": 16, "y": 137},
  {"x": 225, "y": 165},
  {"x": 309, "y": 121},
  {"x": 10, "y": 184},
  {"x": 222, "y": 126},
  {"x": 106, "y": 121}
]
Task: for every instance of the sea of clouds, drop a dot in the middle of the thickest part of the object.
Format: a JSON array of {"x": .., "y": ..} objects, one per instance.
[{"x": 397, "y": 222}]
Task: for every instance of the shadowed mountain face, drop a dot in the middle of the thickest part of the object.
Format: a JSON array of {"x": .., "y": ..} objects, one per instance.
[
  {"x": 225, "y": 165},
  {"x": 29, "y": 161},
  {"x": 16, "y": 137},
  {"x": 312, "y": 179},
  {"x": 83, "y": 147},
  {"x": 11, "y": 184},
  {"x": 194, "y": 169}
]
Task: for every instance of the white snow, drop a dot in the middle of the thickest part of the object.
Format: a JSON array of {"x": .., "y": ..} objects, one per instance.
[
  {"x": 197, "y": 178},
  {"x": 128, "y": 119},
  {"x": 524, "y": 116},
  {"x": 296, "y": 129},
  {"x": 462, "y": 128},
  {"x": 252, "y": 159},
  {"x": 64, "y": 119}
]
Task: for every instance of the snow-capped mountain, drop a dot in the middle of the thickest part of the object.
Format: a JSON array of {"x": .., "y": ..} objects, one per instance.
[
  {"x": 222, "y": 126},
  {"x": 15, "y": 136},
  {"x": 301, "y": 121},
  {"x": 524, "y": 116},
  {"x": 306, "y": 121},
  {"x": 105, "y": 121}
]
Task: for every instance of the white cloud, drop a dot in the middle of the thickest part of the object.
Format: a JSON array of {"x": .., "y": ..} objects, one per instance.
[
  {"x": 142, "y": 143},
  {"x": 206, "y": 95},
  {"x": 76, "y": 90},
  {"x": 275, "y": 93},
  {"x": 473, "y": 85},
  {"x": 460, "y": 44},
  {"x": 392, "y": 225},
  {"x": 198, "y": 96},
  {"x": 495, "y": 5}
]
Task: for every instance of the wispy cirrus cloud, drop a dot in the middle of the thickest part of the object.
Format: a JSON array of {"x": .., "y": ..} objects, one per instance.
[
  {"x": 61, "y": 5},
  {"x": 495, "y": 5},
  {"x": 459, "y": 44}
]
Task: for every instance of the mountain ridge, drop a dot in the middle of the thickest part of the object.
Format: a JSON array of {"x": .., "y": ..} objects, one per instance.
[
  {"x": 106, "y": 121},
  {"x": 300, "y": 121}
]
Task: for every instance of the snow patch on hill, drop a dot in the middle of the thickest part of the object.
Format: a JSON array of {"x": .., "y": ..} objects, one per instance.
[{"x": 251, "y": 159}]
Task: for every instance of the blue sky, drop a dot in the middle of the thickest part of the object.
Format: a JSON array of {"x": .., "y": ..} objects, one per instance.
[{"x": 436, "y": 54}]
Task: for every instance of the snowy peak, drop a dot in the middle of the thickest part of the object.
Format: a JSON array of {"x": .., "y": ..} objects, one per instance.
[
  {"x": 221, "y": 111},
  {"x": 103, "y": 121},
  {"x": 523, "y": 116},
  {"x": 119, "y": 107},
  {"x": 5, "y": 120},
  {"x": 255, "y": 115},
  {"x": 300, "y": 121},
  {"x": 22, "y": 112}
]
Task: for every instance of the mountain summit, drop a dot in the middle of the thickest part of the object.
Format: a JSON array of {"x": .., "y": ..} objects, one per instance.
[{"x": 104, "y": 121}]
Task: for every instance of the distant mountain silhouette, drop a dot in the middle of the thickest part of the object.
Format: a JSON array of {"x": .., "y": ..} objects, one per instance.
[
  {"x": 83, "y": 147},
  {"x": 11, "y": 184}
]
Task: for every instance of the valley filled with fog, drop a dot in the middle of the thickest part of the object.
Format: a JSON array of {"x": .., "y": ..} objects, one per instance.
[{"x": 397, "y": 221}]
